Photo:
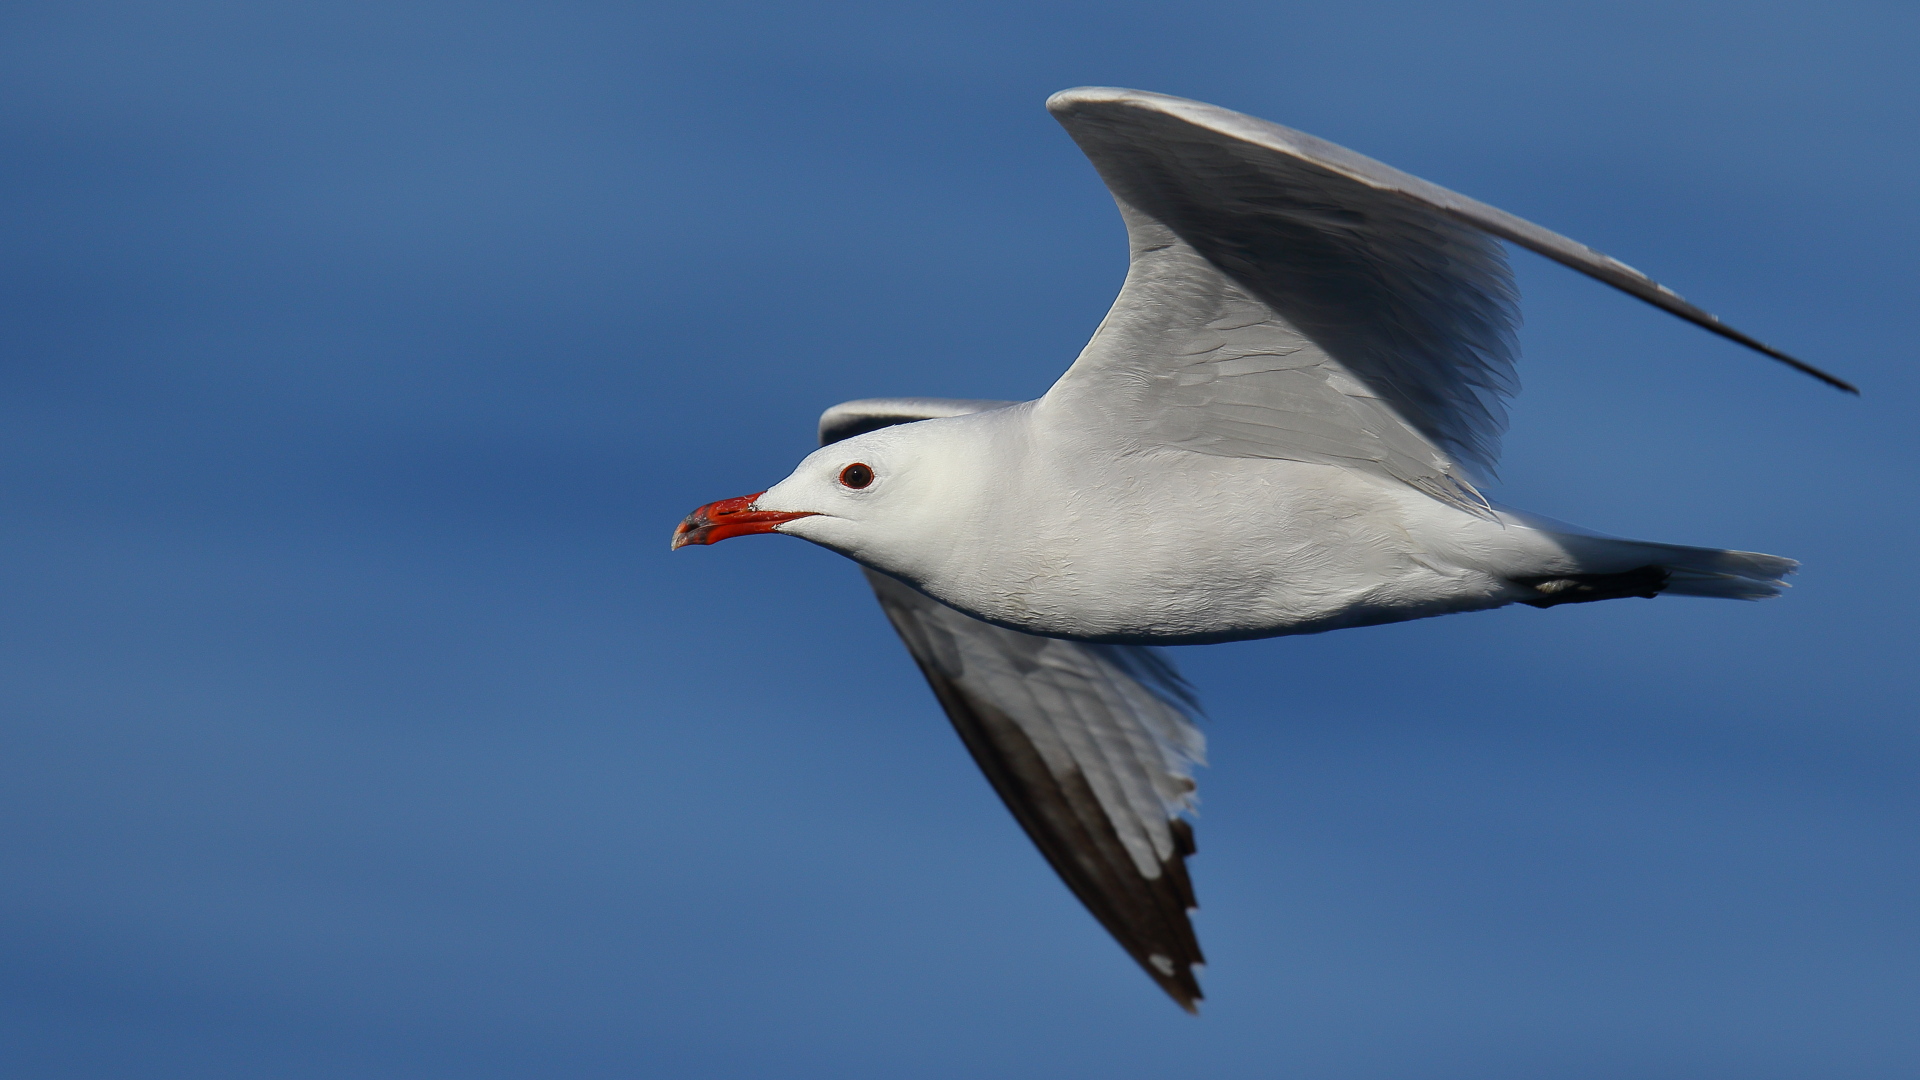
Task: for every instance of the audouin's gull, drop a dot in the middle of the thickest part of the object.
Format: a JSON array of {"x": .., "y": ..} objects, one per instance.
[{"x": 1272, "y": 432}]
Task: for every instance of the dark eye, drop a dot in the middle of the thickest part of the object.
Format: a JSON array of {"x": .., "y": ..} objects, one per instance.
[{"x": 856, "y": 475}]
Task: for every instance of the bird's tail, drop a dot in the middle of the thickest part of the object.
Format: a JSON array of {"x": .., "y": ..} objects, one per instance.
[
  {"x": 1730, "y": 575},
  {"x": 1610, "y": 566}
]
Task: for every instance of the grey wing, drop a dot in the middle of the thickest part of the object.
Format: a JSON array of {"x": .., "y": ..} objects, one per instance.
[
  {"x": 1289, "y": 298},
  {"x": 1092, "y": 747}
]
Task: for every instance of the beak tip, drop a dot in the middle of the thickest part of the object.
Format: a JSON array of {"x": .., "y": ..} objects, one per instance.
[
  {"x": 715, "y": 522},
  {"x": 692, "y": 530}
]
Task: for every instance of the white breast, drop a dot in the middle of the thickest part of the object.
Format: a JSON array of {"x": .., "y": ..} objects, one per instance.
[{"x": 1171, "y": 546}]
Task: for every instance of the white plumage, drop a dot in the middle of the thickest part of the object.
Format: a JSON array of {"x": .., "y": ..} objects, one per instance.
[{"x": 1274, "y": 431}]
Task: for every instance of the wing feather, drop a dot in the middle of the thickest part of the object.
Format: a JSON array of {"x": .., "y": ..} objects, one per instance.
[
  {"x": 1083, "y": 771},
  {"x": 1289, "y": 298}
]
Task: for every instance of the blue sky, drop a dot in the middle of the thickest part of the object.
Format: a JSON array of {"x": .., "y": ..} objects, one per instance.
[{"x": 357, "y": 359}]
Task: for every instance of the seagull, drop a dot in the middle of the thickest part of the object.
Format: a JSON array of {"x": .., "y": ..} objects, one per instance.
[{"x": 1277, "y": 429}]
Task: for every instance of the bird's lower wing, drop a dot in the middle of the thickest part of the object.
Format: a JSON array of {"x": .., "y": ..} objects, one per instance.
[{"x": 1092, "y": 747}]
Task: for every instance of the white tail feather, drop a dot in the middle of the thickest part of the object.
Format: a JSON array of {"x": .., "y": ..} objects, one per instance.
[
  {"x": 1694, "y": 571},
  {"x": 1732, "y": 575}
]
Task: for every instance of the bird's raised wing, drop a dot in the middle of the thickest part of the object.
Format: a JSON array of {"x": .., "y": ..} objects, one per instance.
[
  {"x": 1288, "y": 298},
  {"x": 1091, "y": 746}
]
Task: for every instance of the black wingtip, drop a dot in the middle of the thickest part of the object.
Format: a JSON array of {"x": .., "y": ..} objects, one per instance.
[
  {"x": 1178, "y": 980},
  {"x": 1182, "y": 987},
  {"x": 1799, "y": 365},
  {"x": 1836, "y": 383}
]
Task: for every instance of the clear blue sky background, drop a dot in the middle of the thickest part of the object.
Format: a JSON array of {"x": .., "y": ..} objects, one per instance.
[{"x": 357, "y": 358}]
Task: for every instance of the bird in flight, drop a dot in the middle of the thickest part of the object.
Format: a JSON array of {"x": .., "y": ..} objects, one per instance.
[{"x": 1274, "y": 431}]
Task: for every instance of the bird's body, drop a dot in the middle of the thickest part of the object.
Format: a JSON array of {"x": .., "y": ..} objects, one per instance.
[
  {"x": 1037, "y": 522},
  {"x": 1173, "y": 548},
  {"x": 1274, "y": 431}
]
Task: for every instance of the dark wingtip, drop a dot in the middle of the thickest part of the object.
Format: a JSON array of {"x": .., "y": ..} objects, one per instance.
[
  {"x": 1184, "y": 989},
  {"x": 1673, "y": 304},
  {"x": 1834, "y": 381}
]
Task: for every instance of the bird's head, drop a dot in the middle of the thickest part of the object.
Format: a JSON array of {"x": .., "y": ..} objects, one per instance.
[{"x": 877, "y": 497}]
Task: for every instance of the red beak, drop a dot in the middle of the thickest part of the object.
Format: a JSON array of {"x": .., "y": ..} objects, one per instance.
[{"x": 717, "y": 521}]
